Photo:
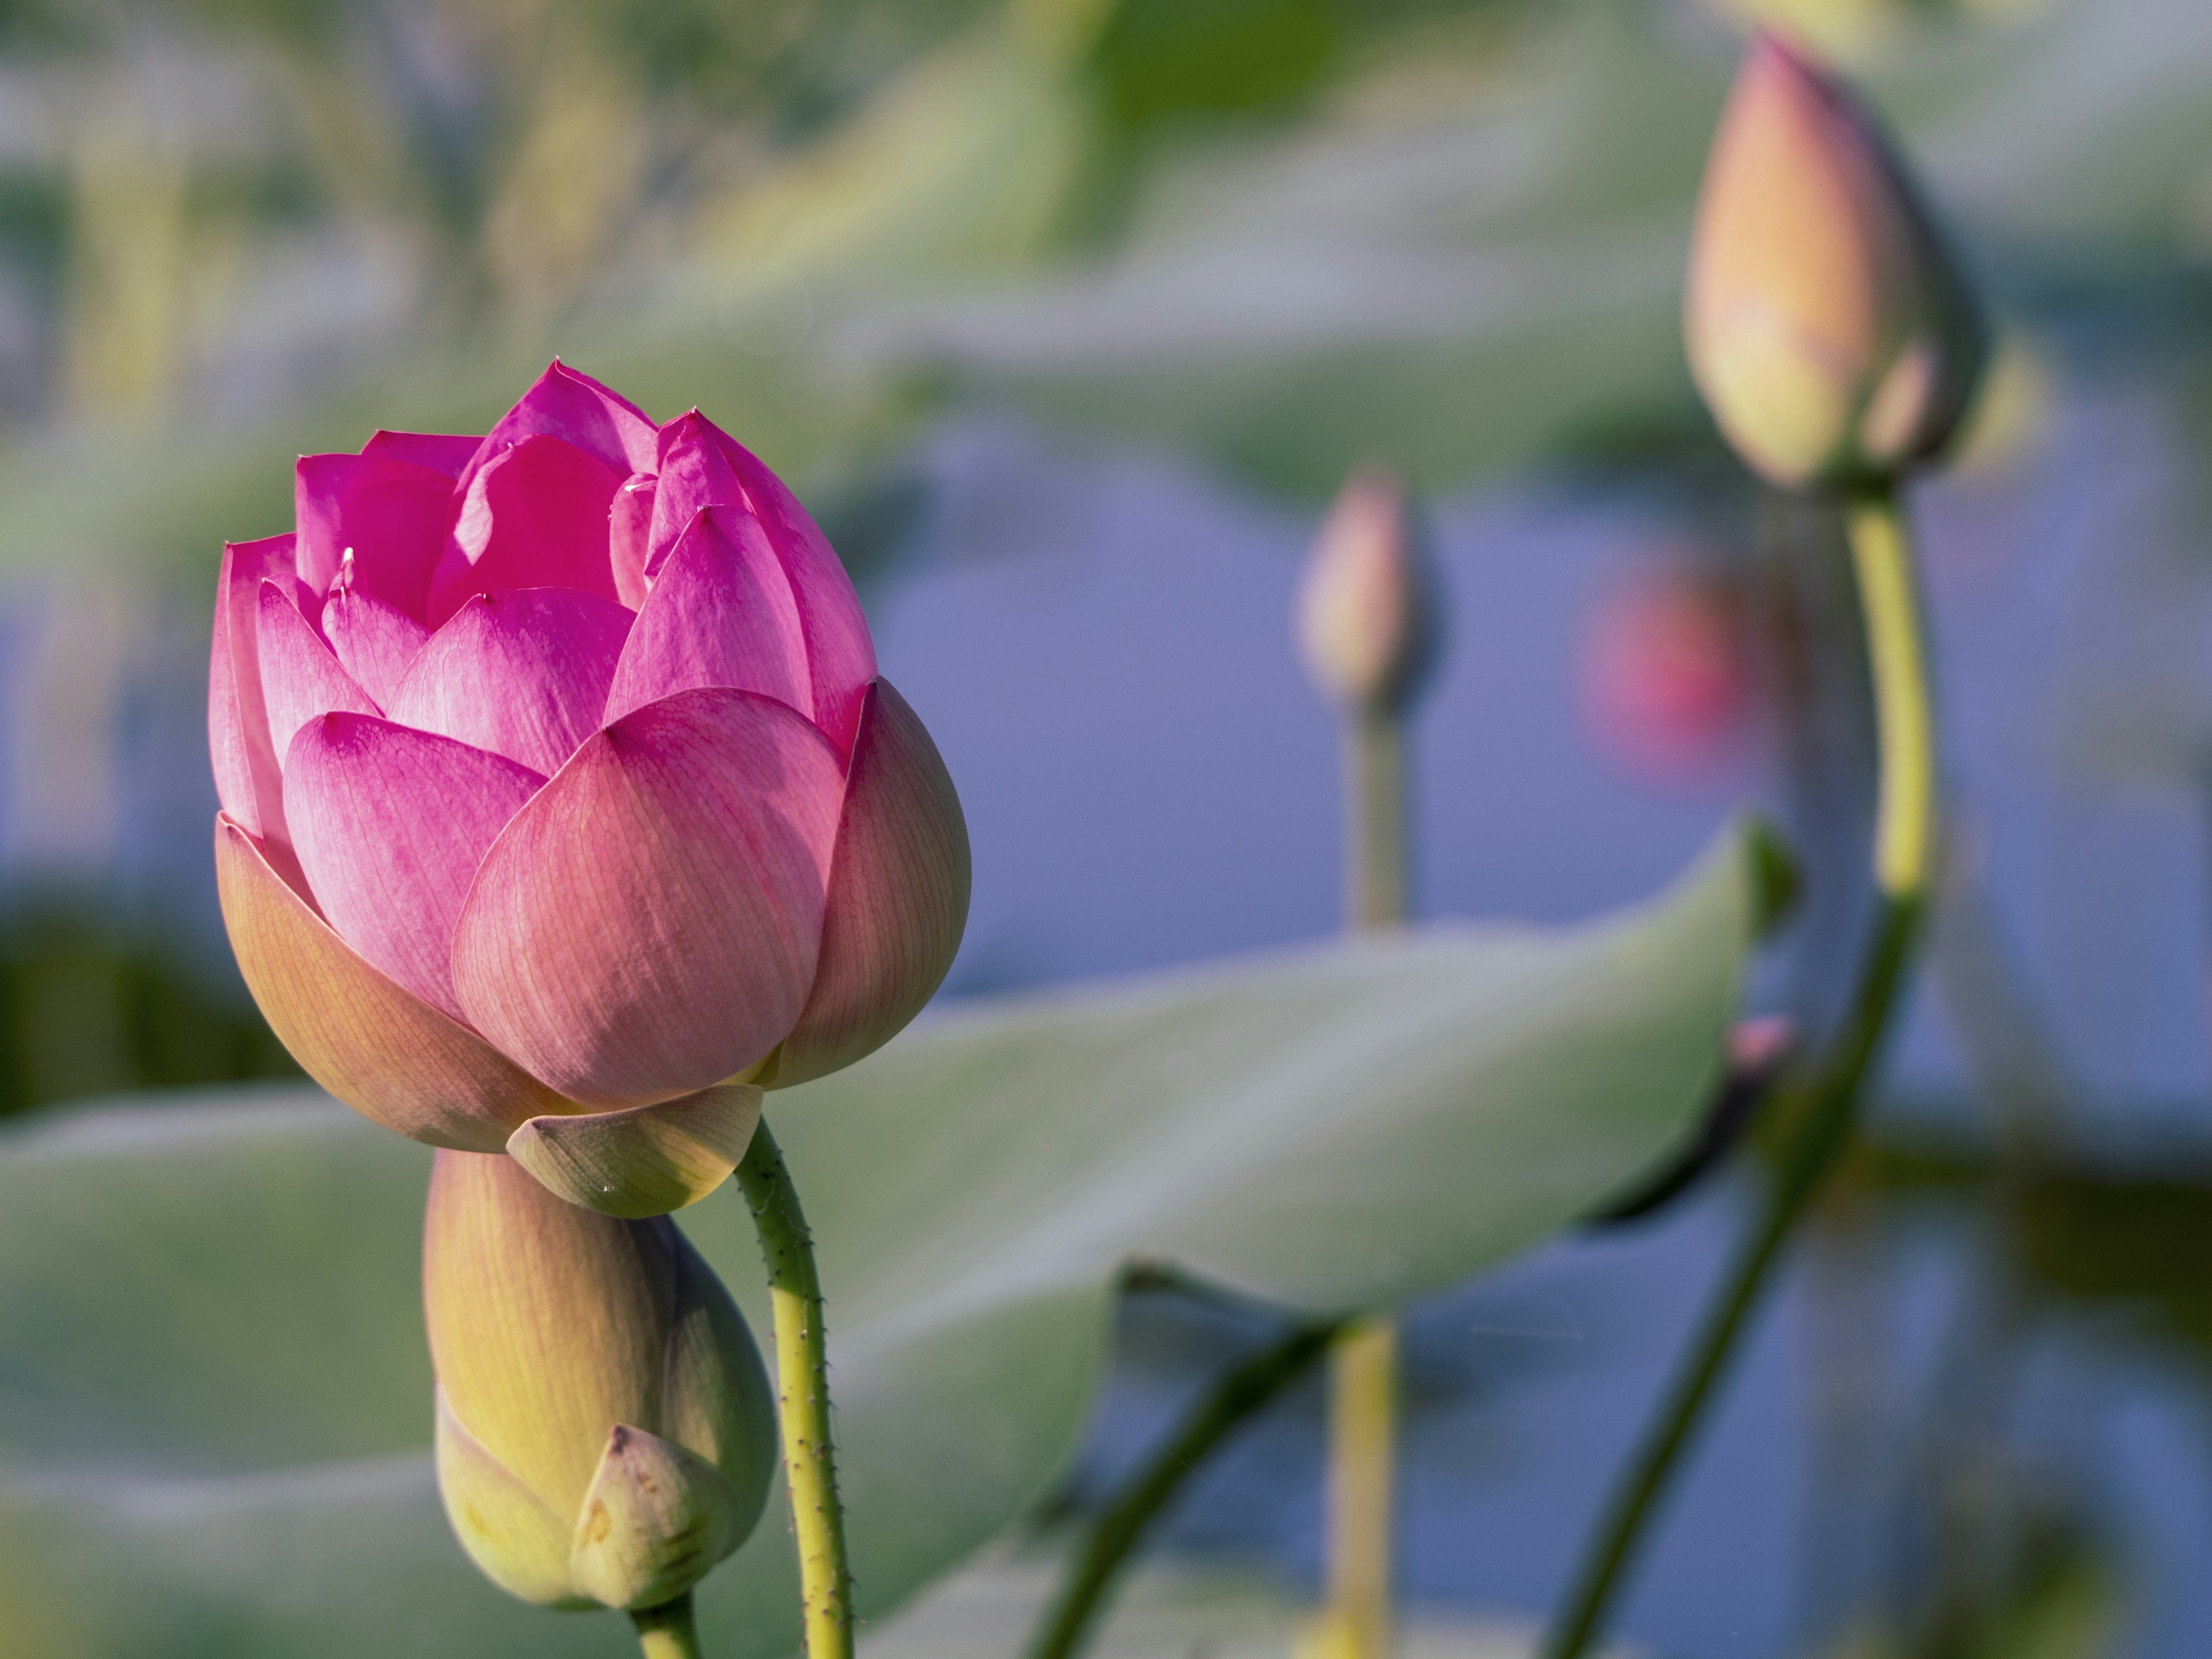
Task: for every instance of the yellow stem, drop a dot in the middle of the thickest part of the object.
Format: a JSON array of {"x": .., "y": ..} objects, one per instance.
[
  {"x": 667, "y": 1632},
  {"x": 1905, "y": 832}
]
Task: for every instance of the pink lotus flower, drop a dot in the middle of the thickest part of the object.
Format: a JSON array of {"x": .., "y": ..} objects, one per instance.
[{"x": 563, "y": 808}]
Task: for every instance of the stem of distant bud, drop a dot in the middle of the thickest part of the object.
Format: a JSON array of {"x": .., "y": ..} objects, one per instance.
[
  {"x": 667, "y": 1632},
  {"x": 1819, "y": 1111},
  {"x": 802, "y": 1371}
]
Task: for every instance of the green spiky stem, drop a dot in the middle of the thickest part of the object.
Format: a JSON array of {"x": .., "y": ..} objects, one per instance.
[
  {"x": 1822, "y": 1107},
  {"x": 802, "y": 1370},
  {"x": 667, "y": 1632}
]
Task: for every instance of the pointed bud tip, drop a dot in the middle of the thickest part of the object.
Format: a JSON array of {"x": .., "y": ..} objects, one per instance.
[{"x": 1366, "y": 603}]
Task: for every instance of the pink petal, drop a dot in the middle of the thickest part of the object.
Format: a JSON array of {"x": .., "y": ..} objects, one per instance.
[
  {"x": 390, "y": 824},
  {"x": 649, "y": 924},
  {"x": 523, "y": 673},
  {"x": 700, "y": 465},
  {"x": 248, "y": 780},
  {"x": 629, "y": 527},
  {"x": 392, "y": 514},
  {"x": 534, "y": 516},
  {"x": 440, "y": 452},
  {"x": 577, "y": 410},
  {"x": 374, "y": 643},
  {"x": 301, "y": 679},
  {"x": 720, "y": 613},
  {"x": 898, "y": 895}
]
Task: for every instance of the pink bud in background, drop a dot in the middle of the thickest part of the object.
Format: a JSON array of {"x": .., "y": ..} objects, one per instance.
[
  {"x": 1827, "y": 326},
  {"x": 563, "y": 807},
  {"x": 1667, "y": 686},
  {"x": 1366, "y": 607}
]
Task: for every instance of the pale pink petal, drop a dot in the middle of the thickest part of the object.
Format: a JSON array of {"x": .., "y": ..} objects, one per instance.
[
  {"x": 391, "y": 514},
  {"x": 720, "y": 613},
  {"x": 523, "y": 673},
  {"x": 248, "y": 780},
  {"x": 440, "y": 452},
  {"x": 390, "y": 824},
  {"x": 649, "y": 924},
  {"x": 577, "y": 410},
  {"x": 629, "y": 530},
  {"x": 374, "y": 642},
  {"x": 299, "y": 677},
  {"x": 898, "y": 895},
  {"x": 535, "y": 515},
  {"x": 843, "y": 656}
]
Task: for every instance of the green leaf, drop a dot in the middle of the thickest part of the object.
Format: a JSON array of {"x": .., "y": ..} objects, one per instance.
[{"x": 215, "y": 1403}]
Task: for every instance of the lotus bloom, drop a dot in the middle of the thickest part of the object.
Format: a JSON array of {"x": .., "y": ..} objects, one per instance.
[
  {"x": 606, "y": 1431},
  {"x": 1366, "y": 620},
  {"x": 1828, "y": 327},
  {"x": 563, "y": 808}
]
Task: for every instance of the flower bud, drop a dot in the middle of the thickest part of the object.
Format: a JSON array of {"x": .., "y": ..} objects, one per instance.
[
  {"x": 606, "y": 1431},
  {"x": 1827, "y": 326},
  {"x": 1366, "y": 603}
]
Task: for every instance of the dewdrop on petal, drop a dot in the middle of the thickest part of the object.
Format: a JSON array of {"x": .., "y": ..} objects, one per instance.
[
  {"x": 1366, "y": 603},
  {"x": 605, "y": 1431},
  {"x": 1828, "y": 326}
]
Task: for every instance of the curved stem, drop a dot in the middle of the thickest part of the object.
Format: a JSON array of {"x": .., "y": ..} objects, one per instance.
[
  {"x": 667, "y": 1632},
  {"x": 1819, "y": 1111},
  {"x": 802, "y": 1371},
  {"x": 1237, "y": 1396}
]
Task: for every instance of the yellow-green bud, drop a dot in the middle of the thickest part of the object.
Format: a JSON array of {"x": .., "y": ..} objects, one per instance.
[
  {"x": 1366, "y": 604},
  {"x": 1830, "y": 331},
  {"x": 605, "y": 1430}
]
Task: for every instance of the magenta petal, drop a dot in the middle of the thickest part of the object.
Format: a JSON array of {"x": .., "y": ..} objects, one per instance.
[
  {"x": 523, "y": 673},
  {"x": 248, "y": 781},
  {"x": 580, "y": 412},
  {"x": 374, "y": 643},
  {"x": 534, "y": 516},
  {"x": 299, "y": 677},
  {"x": 649, "y": 924},
  {"x": 694, "y": 474},
  {"x": 440, "y": 452},
  {"x": 720, "y": 613},
  {"x": 390, "y": 824},
  {"x": 629, "y": 523},
  {"x": 391, "y": 514},
  {"x": 898, "y": 899}
]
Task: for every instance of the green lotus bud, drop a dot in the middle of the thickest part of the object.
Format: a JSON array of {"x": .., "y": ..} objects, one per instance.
[
  {"x": 1832, "y": 335},
  {"x": 1366, "y": 603},
  {"x": 605, "y": 1430}
]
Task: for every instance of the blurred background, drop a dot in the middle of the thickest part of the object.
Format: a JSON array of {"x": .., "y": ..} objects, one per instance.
[{"x": 1067, "y": 317}]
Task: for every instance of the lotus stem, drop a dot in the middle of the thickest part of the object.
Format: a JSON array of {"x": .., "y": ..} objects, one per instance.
[
  {"x": 802, "y": 1370},
  {"x": 1375, "y": 819},
  {"x": 1240, "y": 1393},
  {"x": 667, "y": 1632},
  {"x": 1819, "y": 1111}
]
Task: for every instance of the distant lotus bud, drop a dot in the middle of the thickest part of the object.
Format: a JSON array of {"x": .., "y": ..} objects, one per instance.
[
  {"x": 1828, "y": 327},
  {"x": 562, "y": 803},
  {"x": 1366, "y": 616},
  {"x": 1667, "y": 682},
  {"x": 606, "y": 1431}
]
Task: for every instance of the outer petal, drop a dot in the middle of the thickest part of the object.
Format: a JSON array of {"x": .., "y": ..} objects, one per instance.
[
  {"x": 577, "y": 410},
  {"x": 390, "y": 824},
  {"x": 629, "y": 525},
  {"x": 386, "y": 1054},
  {"x": 702, "y": 466},
  {"x": 641, "y": 1160},
  {"x": 523, "y": 673},
  {"x": 248, "y": 780},
  {"x": 898, "y": 896},
  {"x": 647, "y": 925},
  {"x": 534, "y": 516},
  {"x": 391, "y": 514},
  {"x": 720, "y": 613},
  {"x": 374, "y": 642},
  {"x": 301, "y": 679},
  {"x": 657, "y": 1516},
  {"x": 440, "y": 452},
  {"x": 507, "y": 1530}
]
